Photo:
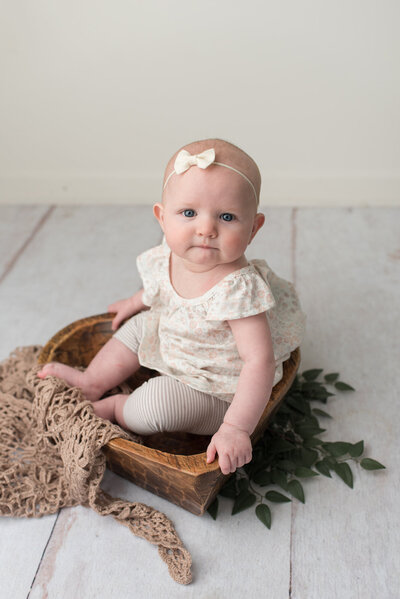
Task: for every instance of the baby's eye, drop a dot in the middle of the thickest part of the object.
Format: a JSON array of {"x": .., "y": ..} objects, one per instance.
[
  {"x": 188, "y": 212},
  {"x": 227, "y": 216}
]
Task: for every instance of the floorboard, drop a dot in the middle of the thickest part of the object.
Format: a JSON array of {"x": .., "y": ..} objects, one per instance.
[{"x": 345, "y": 541}]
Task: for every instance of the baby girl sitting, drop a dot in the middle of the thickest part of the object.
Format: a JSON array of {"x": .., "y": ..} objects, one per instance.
[{"x": 216, "y": 327}]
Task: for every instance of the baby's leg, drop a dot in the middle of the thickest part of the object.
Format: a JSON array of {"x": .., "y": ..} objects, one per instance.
[
  {"x": 112, "y": 365},
  {"x": 166, "y": 404}
]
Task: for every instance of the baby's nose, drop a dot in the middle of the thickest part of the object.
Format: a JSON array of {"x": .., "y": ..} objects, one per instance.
[{"x": 206, "y": 227}]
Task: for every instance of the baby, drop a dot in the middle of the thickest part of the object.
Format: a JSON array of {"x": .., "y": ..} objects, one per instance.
[{"x": 215, "y": 326}]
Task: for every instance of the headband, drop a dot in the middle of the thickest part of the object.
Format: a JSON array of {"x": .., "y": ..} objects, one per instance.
[{"x": 184, "y": 161}]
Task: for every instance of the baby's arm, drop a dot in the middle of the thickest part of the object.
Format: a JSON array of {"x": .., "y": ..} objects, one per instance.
[
  {"x": 232, "y": 440},
  {"x": 126, "y": 307}
]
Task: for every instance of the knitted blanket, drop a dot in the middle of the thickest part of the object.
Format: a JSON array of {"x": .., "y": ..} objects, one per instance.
[{"x": 51, "y": 457}]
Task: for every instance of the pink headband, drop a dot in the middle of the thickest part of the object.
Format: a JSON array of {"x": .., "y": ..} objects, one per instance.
[{"x": 184, "y": 161}]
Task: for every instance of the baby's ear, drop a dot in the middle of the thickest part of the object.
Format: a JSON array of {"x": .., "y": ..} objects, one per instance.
[
  {"x": 158, "y": 211},
  {"x": 259, "y": 220}
]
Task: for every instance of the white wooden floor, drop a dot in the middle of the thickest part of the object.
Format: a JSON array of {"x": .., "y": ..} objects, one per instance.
[{"x": 58, "y": 264}]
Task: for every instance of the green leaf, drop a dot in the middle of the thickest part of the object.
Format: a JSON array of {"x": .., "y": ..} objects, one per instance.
[
  {"x": 244, "y": 500},
  {"x": 312, "y": 442},
  {"x": 291, "y": 437},
  {"x": 296, "y": 489},
  {"x": 331, "y": 377},
  {"x": 304, "y": 456},
  {"x": 343, "y": 386},
  {"x": 213, "y": 509},
  {"x": 295, "y": 385},
  {"x": 309, "y": 456},
  {"x": 311, "y": 375},
  {"x": 310, "y": 387},
  {"x": 356, "y": 449},
  {"x": 229, "y": 488},
  {"x": 370, "y": 464},
  {"x": 308, "y": 420},
  {"x": 279, "y": 478},
  {"x": 281, "y": 446},
  {"x": 329, "y": 461},
  {"x": 321, "y": 413},
  {"x": 227, "y": 492},
  {"x": 243, "y": 483},
  {"x": 323, "y": 468},
  {"x": 286, "y": 465},
  {"x": 276, "y": 497},
  {"x": 263, "y": 513},
  {"x": 309, "y": 431},
  {"x": 303, "y": 472},
  {"x": 344, "y": 471},
  {"x": 262, "y": 478},
  {"x": 250, "y": 468},
  {"x": 338, "y": 448},
  {"x": 321, "y": 394},
  {"x": 297, "y": 457},
  {"x": 258, "y": 456},
  {"x": 231, "y": 482},
  {"x": 299, "y": 404}
]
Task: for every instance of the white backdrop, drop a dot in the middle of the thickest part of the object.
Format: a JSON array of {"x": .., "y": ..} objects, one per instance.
[{"x": 96, "y": 95}]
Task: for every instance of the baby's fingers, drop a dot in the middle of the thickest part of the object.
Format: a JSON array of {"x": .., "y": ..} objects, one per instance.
[
  {"x": 226, "y": 464},
  {"x": 211, "y": 451},
  {"x": 245, "y": 459},
  {"x": 115, "y": 323}
]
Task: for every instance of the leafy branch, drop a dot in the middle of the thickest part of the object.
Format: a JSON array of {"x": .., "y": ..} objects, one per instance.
[{"x": 291, "y": 449}]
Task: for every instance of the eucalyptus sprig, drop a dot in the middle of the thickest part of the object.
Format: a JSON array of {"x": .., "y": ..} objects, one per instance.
[{"x": 291, "y": 449}]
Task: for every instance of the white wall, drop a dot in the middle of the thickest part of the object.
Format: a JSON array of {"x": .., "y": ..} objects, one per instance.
[{"x": 96, "y": 95}]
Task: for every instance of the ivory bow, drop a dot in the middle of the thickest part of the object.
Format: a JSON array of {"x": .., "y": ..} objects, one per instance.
[{"x": 184, "y": 160}]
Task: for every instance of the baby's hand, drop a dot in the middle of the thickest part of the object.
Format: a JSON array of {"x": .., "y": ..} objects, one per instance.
[
  {"x": 233, "y": 446},
  {"x": 123, "y": 308}
]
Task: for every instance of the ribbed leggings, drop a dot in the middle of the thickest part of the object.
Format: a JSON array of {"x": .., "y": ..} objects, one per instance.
[{"x": 164, "y": 404}]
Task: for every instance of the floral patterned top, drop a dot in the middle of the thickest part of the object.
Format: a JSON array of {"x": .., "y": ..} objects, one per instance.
[{"x": 190, "y": 339}]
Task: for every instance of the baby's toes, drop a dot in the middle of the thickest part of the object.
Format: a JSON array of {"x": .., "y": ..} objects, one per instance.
[
  {"x": 45, "y": 371},
  {"x": 50, "y": 369}
]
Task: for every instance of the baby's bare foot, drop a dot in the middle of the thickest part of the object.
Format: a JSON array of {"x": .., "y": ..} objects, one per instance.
[{"x": 74, "y": 378}]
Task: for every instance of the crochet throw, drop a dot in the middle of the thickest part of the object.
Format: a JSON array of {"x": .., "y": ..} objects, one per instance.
[{"x": 51, "y": 457}]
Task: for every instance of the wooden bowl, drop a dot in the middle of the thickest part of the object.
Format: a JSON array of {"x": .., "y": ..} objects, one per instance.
[{"x": 172, "y": 465}]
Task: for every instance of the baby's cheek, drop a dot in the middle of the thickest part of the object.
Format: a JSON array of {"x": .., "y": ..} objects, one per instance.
[{"x": 236, "y": 242}]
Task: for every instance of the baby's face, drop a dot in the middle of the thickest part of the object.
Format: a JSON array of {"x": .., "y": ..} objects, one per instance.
[{"x": 208, "y": 216}]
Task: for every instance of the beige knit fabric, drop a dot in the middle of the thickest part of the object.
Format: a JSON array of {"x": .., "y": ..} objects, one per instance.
[{"x": 50, "y": 457}]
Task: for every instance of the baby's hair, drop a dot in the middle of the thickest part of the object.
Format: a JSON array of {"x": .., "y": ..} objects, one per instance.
[{"x": 225, "y": 152}]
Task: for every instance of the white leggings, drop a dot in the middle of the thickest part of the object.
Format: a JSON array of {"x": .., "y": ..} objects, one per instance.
[{"x": 164, "y": 404}]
